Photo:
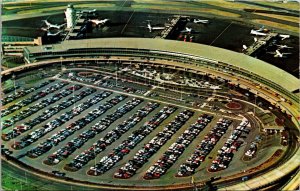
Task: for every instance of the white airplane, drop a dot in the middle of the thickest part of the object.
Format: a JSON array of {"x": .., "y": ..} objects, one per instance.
[
  {"x": 262, "y": 29},
  {"x": 284, "y": 36},
  {"x": 283, "y": 46},
  {"x": 88, "y": 11},
  {"x": 279, "y": 54},
  {"x": 99, "y": 22},
  {"x": 255, "y": 40},
  {"x": 49, "y": 25},
  {"x": 153, "y": 28},
  {"x": 200, "y": 21},
  {"x": 258, "y": 33},
  {"x": 187, "y": 29},
  {"x": 53, "y": 34},
  {"x": 44, "y": 29}
]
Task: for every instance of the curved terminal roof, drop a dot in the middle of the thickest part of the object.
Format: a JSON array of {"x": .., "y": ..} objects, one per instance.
[{"x": 241, "y": 60}]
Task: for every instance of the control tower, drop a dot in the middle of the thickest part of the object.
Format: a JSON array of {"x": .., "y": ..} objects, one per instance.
[{"x": 70, "y": 16}]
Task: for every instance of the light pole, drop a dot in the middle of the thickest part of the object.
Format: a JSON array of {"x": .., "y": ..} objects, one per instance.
[
  {"x": 14, "y": 78},
  {"x": 61, "y": 58},
  {"x": 116, "y": 67},
  {"x": 95, "y": 155},
  {"x": 74, "y": 96},
  {"x": 26, "y": 177}
]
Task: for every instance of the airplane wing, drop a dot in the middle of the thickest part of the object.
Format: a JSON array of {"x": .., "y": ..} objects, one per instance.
[
  {"x": 62, "y": 25},
  {"x": 53, "y": 34},
  {"x": 158, "y": 28},
  {"x": 261, "y": 29},
  {"x": 47, "y": 23},
  {"x": 270, "y": 52},
  {"x": 284, "y": 36},
  {"x": 44, "y": 29},
  {"x": 201, "y": 21}
]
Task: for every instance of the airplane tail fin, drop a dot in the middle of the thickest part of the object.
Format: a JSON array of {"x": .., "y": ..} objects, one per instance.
[{"x": 277, "y": 51}]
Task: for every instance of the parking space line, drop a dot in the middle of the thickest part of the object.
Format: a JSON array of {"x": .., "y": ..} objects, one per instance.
[
  {"x": 127, "y": 22},
  {"x": 220, "y": 34}
]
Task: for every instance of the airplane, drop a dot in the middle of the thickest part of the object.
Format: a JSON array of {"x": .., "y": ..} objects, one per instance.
[
  {"x": 79, "y": 36},
  {"x": 44, "y": 29},
  {"x": 153, "y": 28},
  {"x": 88, "y": 11},
  {"x": 255, "y": 40},
  {"x": 279, "y": 54},
  {"x": 49, "y": 25},
  {"x": 284, "y": 36},
  {"x": 53, "y": 34},
  {"x": 262, "y": 29},
  {"x": 191, "y": 38},
  {"x": 83, "y": 28},
  {"x": 283, "y": 46},
  {"x": 187, "y": 29},
  {"x": 256, "y": 32},
  {"x": 99, "y": 22},
  {"x": 200, "y": 21}
]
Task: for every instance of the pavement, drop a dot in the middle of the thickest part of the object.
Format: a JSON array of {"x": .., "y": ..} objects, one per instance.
[
  {"x": 137, "y": 181},
  {"x": 200, "y": 175}
]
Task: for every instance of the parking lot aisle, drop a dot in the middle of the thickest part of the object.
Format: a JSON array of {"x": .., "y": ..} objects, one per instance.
[
  {"x": 76, "y": 133},
  {"x": 35, "y": 97},
  {"x": 124, "y": 146},
  {"x": 189, "y": 150},
  {"x": 65, "y": 125},
  {"x": 174, "y": 139},
  {"x": 90, "y": 141},
  {"x": 141, "y": 171},
  {"x": 29, "y": 94},
  {"x": 42, "y": 139},
  {"x": 109, "y": 148},
  {"x": 41, "y": 115},
  {"x": 37, "y": 113},
  {"x": 39, "y": 160},
  {"x": 109, "y": 174},
  {"x": 127, "y": 157},
  {"x": 202, "y": 169}
]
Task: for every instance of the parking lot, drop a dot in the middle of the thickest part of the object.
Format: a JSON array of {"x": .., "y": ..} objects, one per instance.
[{"x": 94, "y": 128}]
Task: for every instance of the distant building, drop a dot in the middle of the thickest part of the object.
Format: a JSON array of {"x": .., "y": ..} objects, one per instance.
[{"x": 70, "y": 16}]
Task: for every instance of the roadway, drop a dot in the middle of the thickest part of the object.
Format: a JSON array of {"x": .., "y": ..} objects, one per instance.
[{"x": 294, "y": 183}]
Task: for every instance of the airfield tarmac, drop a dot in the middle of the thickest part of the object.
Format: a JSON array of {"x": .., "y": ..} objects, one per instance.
[{"x": 220, "y": 33}]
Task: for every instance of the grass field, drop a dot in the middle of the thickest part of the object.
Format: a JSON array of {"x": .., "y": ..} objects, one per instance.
[
  {"x": 282, "y": 17},
  {"x": 231, "y": 5},
  {"x": 42, "y": 10},
  {"x": 288, "y": 5},
  {"x": 186, "y": 9},
  {"x": 276, "y": 25},
  {"x": 9, "y": 64},
  {"x": 10, "y": 183}
]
